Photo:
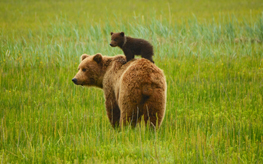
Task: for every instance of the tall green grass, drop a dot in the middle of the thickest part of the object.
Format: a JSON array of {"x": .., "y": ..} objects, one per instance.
[{"x": 213, "y": 68}]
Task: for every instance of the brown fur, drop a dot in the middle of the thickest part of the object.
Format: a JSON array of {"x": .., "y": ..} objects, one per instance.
[
  {"x": 132, "y": 46},
  {"x": 131, "y": 90}
]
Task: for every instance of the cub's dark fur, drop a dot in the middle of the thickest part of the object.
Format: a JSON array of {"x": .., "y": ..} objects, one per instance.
[{"x": 132, "y": 46}]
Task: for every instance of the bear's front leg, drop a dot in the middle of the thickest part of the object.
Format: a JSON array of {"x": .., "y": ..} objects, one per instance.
[
  {"x": 113, "y": 112},
  {"x": 129, "y": 55}
]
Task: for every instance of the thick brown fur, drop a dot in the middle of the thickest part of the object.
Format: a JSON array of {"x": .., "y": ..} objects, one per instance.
[
  {"x": 132, "y": 46},
  {"x": 133, "y": 91}
]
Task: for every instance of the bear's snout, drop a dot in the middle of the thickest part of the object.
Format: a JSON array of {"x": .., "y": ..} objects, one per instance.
[
  {"x": 74, "y": 80},
  {"x": 111, "y": 45}
]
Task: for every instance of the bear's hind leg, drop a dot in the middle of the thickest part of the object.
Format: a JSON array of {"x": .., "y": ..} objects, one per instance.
[
  {"x": 130, "y": 117},
  {"x": 154, "y": 108},
  {"x": 148, "y": 55}
]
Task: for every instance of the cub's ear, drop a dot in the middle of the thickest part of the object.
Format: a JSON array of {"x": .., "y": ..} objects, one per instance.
[
  {"x": 83, "y": 56},
  {"x": 97, "y": 58},
  {"x": 111, "y": 33},
  {"x": 122, "y": 33}
]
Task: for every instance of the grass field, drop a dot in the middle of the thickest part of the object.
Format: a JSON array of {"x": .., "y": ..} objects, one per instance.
[{"x": 211, "y": 54}]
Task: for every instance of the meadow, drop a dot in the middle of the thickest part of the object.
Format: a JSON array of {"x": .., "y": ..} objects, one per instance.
[{"x": 210, "y": 52}]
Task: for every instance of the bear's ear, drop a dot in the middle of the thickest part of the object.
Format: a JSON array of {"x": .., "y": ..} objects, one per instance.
[
  {"x": 83, "y": 56},
  {"x": 97, "y": 58},
  {"x": 111, "y": 33},
  {"x": 122, "y": 34}
]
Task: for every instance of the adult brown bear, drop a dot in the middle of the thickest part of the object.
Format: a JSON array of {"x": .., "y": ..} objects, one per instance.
[{"x": 134, "y": 91}]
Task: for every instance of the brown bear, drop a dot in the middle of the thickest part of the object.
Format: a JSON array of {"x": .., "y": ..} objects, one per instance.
[
  {"x": 133, "y": 92},
  {"x": 132, "y": 46}
]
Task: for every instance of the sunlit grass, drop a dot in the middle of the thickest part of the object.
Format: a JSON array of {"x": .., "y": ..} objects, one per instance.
[{"x": 213, "y": 65}]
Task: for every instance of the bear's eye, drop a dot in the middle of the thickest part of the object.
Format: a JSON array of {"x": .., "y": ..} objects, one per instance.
[
  {"x": 84, "y": 70},
  {"x": 115, "y": 40}
]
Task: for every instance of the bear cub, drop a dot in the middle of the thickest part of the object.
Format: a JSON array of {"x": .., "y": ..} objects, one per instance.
[{"x": 132, "y": 46}]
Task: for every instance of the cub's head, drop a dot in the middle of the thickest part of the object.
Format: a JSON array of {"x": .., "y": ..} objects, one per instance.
[
  {"x": 117, "y": 39},
  {"x": 90, "y": 71}
]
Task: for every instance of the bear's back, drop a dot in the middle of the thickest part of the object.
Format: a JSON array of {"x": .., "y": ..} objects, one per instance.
[{"x": 142, "y": 71}]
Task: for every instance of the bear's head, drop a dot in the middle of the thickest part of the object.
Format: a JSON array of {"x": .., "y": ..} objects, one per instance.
[
  {"x": 90, "y": 71},
  {"x": 117, "y": 39}
]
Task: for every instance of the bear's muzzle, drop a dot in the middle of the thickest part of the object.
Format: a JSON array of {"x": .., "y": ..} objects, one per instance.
[{"x": 74, "y": 80}]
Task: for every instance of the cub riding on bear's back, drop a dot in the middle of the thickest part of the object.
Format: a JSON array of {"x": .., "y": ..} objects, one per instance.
[{"x": 132, "y": 46}]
